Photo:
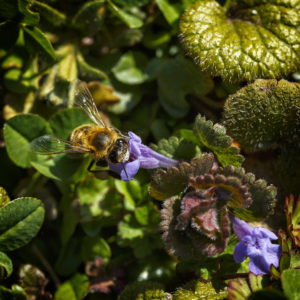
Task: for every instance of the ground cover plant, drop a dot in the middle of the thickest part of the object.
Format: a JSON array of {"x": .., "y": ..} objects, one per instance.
[{"x": 206, "y": 205}]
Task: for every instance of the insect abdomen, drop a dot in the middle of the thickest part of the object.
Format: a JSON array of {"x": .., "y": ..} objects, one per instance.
[{"x": 80, "y": 134}]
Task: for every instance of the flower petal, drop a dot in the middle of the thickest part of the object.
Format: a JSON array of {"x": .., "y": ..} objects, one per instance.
[
  {"x": 134, "y": 137},
  {"x": 239, "y": 253},
  {"x": 264, "y": 233},
  {"x": 241, "y": 228},
  {"x": 131, "y": 168}
]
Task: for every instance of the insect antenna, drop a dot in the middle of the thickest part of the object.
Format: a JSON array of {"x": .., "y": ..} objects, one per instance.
[{"x": 123, "y": 165}]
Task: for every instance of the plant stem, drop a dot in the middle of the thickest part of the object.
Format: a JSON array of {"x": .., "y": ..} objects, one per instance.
[
  {"x": 227, "y": 5},
  {"x": 46, "y": 264},
  {"x": 32, "y": 184}
]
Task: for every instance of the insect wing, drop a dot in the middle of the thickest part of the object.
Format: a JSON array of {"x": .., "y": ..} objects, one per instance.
[
  {"x": 48, "y": 144},
  {"x": 84, "y": 99}
]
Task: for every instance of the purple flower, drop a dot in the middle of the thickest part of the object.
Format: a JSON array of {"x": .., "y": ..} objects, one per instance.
[
  {"x": 141, "y": 156},
  {"x": 255, "y": 243}
]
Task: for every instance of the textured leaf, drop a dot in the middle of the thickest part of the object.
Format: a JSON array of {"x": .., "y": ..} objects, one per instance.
[
  {"x": 145, "y": 290},
  {"x": 264, "y": 113},
  {"x": 73, "y": 289},
  {"x": 291, "y": 284},
  {"x": 4, "y": 199},
  {"x": 19, "y": 131},
  {"x": 20, "y": 221},
  {"x": 36, "y": 39},
  {"x": 170, "y": 182},
  {"x": 130, "y": 20},
  {"x": 197, "y": 290},
  {"x": 177, "y": 148},
  {"x": 263, "y": 196},
  {"x": 6, "y": 266},
  {"x": 32, "y": 280},
  {"x": 214, "y": 138},
  {"x": 130, "y": 68},
  {"x": 259, "y": 40}
]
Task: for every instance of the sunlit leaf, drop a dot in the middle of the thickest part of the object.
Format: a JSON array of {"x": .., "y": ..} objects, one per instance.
[
  {"x": 259, "y": 40},
  {"x": 20, "y": 221}
]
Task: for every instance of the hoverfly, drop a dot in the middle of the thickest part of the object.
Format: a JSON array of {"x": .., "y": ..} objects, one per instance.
[{"x": 104, "y": 144}]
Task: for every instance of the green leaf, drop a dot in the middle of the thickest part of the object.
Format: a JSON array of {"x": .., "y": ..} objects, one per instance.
[
  {"x": 170, "y": 11},
  {"x": 129, "y": 229},
  {"x": 30, "y": 17},
  {"x": 200, "y": 290},
  {"x": 4, "y": 199},
  {"x": 263, "y": 114},
  {"x": 6, "y": 266},
  {"x": 16, "y": 293},
  {"x": 20, "y": 221},
  {"x": 261, "y": 39},
  {"x": 178, "y": 78},
  {"x": 86, "y": 70},
  {"x": 66, "y": 120},
  {"x": 93, "y": 247},
  {"x": 129, "y": 95},
  {"x": 59, "y": 166},
  {"x": 132, "y": 3},
  {"x": 90, "y": 16},
  {"x": 130, "y": 68},
  {"x": 214, "y": 138},
  {"x": 36, "y": 39},
  {"x": 124, "y": 188},
  {"x": 73, "y": 289},
  {"x": 177, "y": 148},
  {"x": 130, "y": 20},
  {"x": 22, "y": 80},
  {"x": 143, "y": 290},
  {"x": 291, "y": 284},
  {"x": 49, "y": 13},
  {"x": 19, "y": 131},
  {"x": 170, "y": 182}
]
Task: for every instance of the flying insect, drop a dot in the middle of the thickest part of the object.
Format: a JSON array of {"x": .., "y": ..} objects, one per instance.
[{"x": 103, "y": 143}]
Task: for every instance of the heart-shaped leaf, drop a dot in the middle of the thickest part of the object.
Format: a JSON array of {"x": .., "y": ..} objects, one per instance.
[
  {"x": 20, "y": 221},
  {"x": 259, "y": 40}
]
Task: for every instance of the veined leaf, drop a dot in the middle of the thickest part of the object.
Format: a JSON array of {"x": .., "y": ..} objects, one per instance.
[
  {"x": 52, "y": 15},
  {"x": 260, "y": 40},
  {"x": 20, "y": 221}
]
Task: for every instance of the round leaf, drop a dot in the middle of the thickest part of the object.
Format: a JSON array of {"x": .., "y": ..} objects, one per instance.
[
  {"x": 19, "y": 131},
  {"x": 262, "y": 41},
  {"x": 130, "y": 68},
  {"x": 20, "y": 221}
]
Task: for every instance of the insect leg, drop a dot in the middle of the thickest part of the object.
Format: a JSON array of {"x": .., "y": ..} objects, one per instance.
[
  {"x": 90, "y": 166},
  {"x": 123, "y": 165}
]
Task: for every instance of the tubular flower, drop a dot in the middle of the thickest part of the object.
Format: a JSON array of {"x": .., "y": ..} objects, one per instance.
[
  {"x": 255, "y": 243},
  {"x": 141, "y": 156}
]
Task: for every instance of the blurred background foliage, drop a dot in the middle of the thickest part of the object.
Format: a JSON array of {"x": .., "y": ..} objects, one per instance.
[{"x": 100, "y": 235}]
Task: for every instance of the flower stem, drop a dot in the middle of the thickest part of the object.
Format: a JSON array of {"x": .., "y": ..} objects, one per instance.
[
  {"x": 46, "y": 264},
  {"x": 227, "y": 6}
]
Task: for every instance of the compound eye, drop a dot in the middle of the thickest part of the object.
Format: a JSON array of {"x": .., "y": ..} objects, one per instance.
[{"x": 120, "y": 142}]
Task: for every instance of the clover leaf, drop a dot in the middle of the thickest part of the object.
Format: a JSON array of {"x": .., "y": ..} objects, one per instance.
[{"x": 260, "y": 39}]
